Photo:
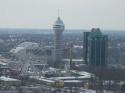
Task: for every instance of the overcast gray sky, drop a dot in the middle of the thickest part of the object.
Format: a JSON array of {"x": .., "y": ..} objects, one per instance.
[{"x": 76, "y": 14}]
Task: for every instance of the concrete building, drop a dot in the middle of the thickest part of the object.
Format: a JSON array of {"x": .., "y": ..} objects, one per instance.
[{"x": 58, "y": 28}]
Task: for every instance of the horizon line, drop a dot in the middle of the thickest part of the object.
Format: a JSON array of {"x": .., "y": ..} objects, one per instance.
[{"x": 65, "y": 29}]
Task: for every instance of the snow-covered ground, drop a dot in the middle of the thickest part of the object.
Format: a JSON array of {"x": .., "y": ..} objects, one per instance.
[
  {"x": 3, "y": 78},
  {"x": 93, "y": 91}
]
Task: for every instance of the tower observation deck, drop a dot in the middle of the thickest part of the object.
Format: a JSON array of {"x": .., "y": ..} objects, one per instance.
[{"x": 58, "y": 28}]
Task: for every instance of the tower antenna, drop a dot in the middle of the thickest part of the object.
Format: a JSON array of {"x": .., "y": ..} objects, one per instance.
[{"x": 58, "y": 13}]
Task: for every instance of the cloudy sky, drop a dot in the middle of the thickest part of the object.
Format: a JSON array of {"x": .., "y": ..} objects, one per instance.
[{"x": 76, "y": 14}]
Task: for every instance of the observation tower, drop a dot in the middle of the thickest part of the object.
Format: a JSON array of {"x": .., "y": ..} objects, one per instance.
[{"x": 58, "y": 28}]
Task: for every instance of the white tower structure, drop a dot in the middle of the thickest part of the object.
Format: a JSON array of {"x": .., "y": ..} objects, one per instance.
[{"x": 58, "y": 28}]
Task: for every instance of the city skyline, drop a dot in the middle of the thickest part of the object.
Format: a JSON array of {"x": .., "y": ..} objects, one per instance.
[{"x": 77, "y": 14}]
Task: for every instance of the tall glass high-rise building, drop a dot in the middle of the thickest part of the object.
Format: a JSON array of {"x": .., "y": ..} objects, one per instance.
[
  {"x": 95, "y": 48},
  {"x": 85, "y": 45}
]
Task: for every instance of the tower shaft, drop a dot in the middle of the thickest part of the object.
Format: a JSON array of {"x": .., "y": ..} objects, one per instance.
[{"x": 58, "y": 46}]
